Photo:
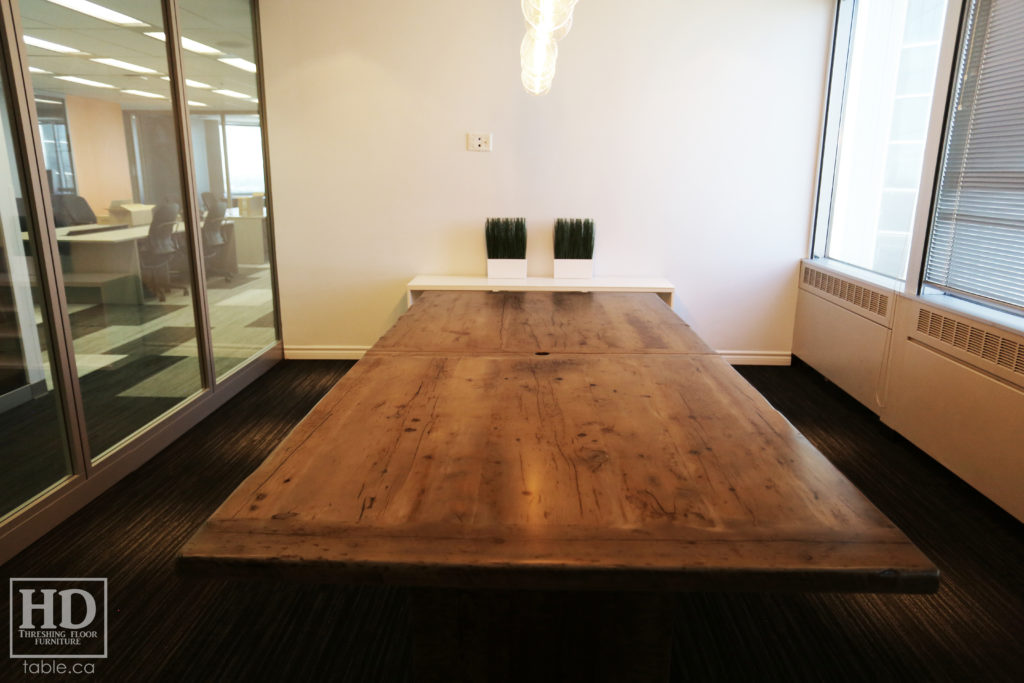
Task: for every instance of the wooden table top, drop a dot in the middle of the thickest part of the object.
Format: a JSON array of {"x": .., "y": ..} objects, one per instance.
[
  {"x": 632, "y": 471},
  {"x": 541, "y": 322}
]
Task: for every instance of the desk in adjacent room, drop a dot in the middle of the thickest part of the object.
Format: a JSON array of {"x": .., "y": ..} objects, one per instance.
[
  {"x": 104, "y": 251},
  {"x": 250, "y": 237},
  {"x": 114, "y": 250}
]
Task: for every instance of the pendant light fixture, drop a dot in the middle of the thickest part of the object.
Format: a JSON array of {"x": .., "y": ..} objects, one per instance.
[{"x": 547, "y": 22}]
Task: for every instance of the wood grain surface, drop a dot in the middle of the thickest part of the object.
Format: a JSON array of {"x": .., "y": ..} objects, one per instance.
[
  {"x": 606, "y": 471},
  {"x": 541, "y": 322}
]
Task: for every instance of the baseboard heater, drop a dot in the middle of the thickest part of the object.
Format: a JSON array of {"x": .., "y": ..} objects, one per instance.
[
  {"x": 866, "y": 300},
  {"x": 843, "y": 330},
  {"x": 986, "y": 348},
  {"x": 957, "y": 392}
]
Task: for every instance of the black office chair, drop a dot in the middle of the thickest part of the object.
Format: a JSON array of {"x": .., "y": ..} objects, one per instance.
[
  {"x": 61, "y": 216},
  {"x": 71, "y": 209},
  {"x": 160, "y": 255},
  {"x": 81, "y": 212},
  {"x": 218, "y": 240}
]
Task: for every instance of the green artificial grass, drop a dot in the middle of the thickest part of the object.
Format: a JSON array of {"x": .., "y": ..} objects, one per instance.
[
  {"x": 506, "y": 238},
  {"x": 574, "y": 238}
]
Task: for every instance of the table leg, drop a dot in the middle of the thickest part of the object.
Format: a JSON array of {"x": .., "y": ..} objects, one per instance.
[{"x": 482, "y": 635}]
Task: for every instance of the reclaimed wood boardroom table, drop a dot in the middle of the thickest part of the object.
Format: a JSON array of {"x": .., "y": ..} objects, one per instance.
[{"x": 544, "y": 470}]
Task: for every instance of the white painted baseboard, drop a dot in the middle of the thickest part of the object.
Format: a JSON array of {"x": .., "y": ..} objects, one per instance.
[
  {"x": 757, "y": 357},
  {"x": 325, "y": 352}
]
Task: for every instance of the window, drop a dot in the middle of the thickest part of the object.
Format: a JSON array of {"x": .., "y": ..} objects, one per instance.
[
  {"x": 245, "y": 155},
  {"x": 53, "y": 131},
  {"x": 883, "y": 76},
  {"x": 976, "y": 243}
]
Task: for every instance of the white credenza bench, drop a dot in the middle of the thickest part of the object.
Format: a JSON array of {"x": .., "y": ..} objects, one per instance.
[{"x": 425, "y": 283}]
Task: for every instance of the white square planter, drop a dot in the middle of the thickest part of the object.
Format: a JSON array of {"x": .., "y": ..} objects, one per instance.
[
  {"x": 506, "y": 268},
  {"x": 574, "y": 268}
]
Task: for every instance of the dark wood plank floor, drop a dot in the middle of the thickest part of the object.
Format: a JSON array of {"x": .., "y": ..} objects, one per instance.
[{"x": 165, "y": 626}]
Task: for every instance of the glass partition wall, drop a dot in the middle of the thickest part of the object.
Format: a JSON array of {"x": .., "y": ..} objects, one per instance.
[
  {"x": 35, "y": 453},
  {"x": 126, "y": 267},
  {"x": 151, "y": 209},
  {"x": 227, "y": 147}
]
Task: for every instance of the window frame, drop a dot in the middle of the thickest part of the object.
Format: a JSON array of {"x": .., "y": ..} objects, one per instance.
[
  {"x": 832, "y": 135},
  {"x": 979, "y": 305},
  {"x": 832, "y": 114}
]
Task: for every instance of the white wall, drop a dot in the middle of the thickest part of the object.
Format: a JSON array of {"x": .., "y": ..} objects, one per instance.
[{"x": 687, "y": 130}]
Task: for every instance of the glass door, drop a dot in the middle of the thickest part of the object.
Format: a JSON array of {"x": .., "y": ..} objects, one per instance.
[
  {"x": 120, "y": 226},
  {"x": 35, "y": 453},
  {"x": 227, "y": 145}
]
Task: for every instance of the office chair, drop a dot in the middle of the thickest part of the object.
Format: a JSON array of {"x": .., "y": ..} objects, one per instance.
[
  {"x": 210, "y": 199},
  {"x": 79, "y": 209},
  {"x": 159, "y": 252},
  {"x": 22, "y": 217},
  {"x": 71, "y": 209},
  {"x": 218, "y": 238}
]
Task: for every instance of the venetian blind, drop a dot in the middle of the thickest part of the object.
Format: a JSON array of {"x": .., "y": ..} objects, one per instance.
[{"x": 976, "y": 244}]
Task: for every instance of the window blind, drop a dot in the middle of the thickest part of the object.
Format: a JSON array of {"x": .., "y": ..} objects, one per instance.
[{"x": 976, "y": 243}]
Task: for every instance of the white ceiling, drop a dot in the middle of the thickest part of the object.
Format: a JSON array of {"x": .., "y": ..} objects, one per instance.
[{"x": 222, "y": 24}]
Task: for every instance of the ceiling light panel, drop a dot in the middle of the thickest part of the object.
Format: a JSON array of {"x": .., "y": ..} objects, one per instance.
[
  {"x": 52, "y": 47},
  {"x": 127, "y": 66},
  {"x": 239, "y": 63},
  {"x": 232, "y": 93},
  {"x": 99, "y": 12},
  {"x": 198, "y": 48},
  {"x": 192, "y": 84},
  {"x": 143, "y": 93},
  {"x": 84, "y": 81},
  {"x": 188, "y": 44}
]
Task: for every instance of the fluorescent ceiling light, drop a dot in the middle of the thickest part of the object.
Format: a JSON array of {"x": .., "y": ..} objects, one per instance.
[
  {"x": 127, "y": 66},
  {"x": 197, "y": 104},
  {"x": 143, "y": 93},
  {"x": 199, "y": 48},
  {"x": 37, "y": 70},
  {"x": 188, "y": 44},
  {"x": 232, "y": 93},
  {"x": 84, "y": 81},
  {"x": 45, "y": 101},
  {"x": 193, "y": 84},
  {"x": 239, "y": 63},
  {"x": 99, "y": 12},
  {"x": 52, "y": 47}
]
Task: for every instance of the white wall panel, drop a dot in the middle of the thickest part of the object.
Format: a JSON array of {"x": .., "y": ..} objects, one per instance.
[{"x": 687, "y": 130}]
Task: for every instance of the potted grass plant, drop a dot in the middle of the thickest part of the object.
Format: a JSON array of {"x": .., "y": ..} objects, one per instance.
[
  {"x": 574, "y": 248},
  {"x": 506, "y": 247}
]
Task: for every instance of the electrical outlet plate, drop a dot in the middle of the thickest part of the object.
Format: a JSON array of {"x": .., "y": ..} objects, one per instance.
[{"x": 478, "y": 142}]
